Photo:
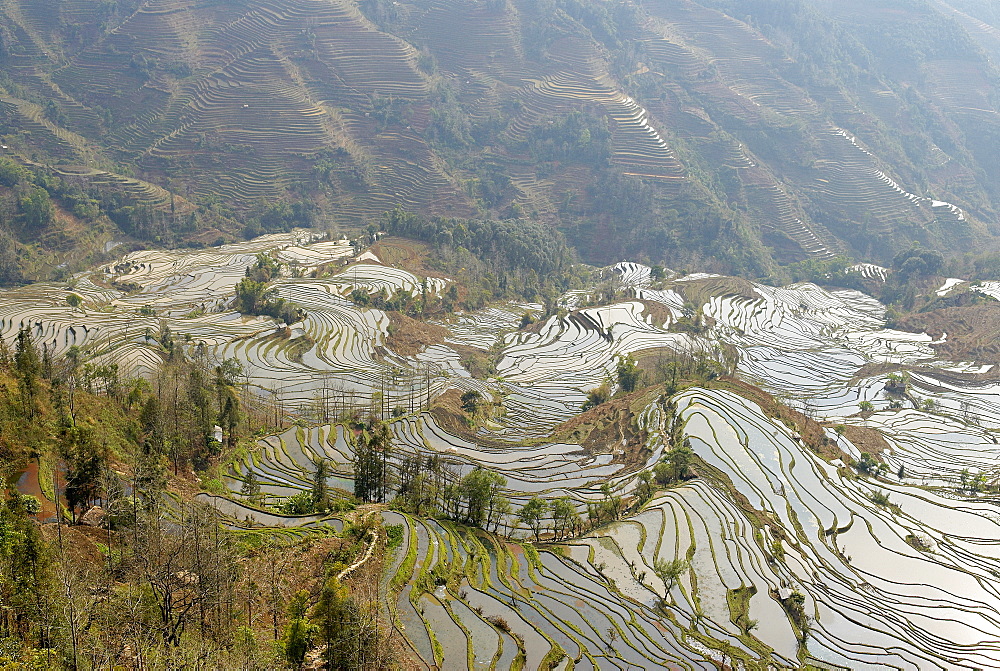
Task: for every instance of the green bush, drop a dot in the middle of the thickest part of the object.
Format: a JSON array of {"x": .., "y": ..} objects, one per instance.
[{"x": 297, "y": 504}]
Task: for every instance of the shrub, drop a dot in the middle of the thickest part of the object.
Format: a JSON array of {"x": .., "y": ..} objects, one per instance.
[
  {"x": 597, "y": 397},
  {"x": 298, "y": 504},
  {"x": 880, "y": 498},
  {"x": 499, "y": 623},
  {"x": 920, "y": 542},
  {"x": 867, "y": 464},
  {"x": 394, "y": 536},
  {"x": 214, "y": 486},
  {"x": 470, "y": 401}
]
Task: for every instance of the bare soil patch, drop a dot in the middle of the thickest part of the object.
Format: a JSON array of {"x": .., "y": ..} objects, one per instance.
[
  {"x": 610, "y": 427},
  {"x": 875, "y": 369}
]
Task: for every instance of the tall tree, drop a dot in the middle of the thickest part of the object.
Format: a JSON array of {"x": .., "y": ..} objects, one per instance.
[
  {"x": 532, "y": 515},
  {"x": 479, "y": 490},
  {"x": 26, "y": 564},
  {"x": 565, "y": 518},
  {"x": 37, "y": 209},
  {"x": 679, "y": 459},
  {"x": 350, "y": 630},
  {"x": 629, "y": 373},
  {"x": 319, "y": 494},
  {"x": 417, "y": 484},
  {"x": 372, "y": 447},
  {"x": 229, "y": 420},
  {"x": 299, "y": 632},
  {"x": 250, "y": 489},
  {"x": 29, "y": 368},
  {"x": 86, "y": 464},
  {"x": 669, "y": 572}
]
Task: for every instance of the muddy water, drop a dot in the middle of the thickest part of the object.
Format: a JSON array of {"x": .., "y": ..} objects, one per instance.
[{"x": 28, "y": 483}]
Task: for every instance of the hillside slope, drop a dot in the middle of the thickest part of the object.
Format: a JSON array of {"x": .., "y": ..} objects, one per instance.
[{"x": 670, "y": 131}]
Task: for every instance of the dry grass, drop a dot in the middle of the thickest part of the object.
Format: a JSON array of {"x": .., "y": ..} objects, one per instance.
[
  {"x": 973, "y": 331},
  {"x": 611, "y": 426},
  {"x": 407, "y": 336},
  {"x": 875, "y": 369},
  {"x": 80, "y": 543},
  {"x": 410, "y": 255},
  {"x": 660, "y": 313},
  {"x": 866, "y": 440},
  {"x": 448, "y": 413}
]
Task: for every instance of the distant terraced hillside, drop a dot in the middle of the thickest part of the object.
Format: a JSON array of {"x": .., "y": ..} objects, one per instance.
[{"x": 668, "y": 130}]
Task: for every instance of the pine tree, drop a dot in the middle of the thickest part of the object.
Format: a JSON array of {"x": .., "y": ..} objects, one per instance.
[
  {"x": 629, "y": 374},
  {"x": 86, "y": 466},
  {"x": 229, "y": 419},
  {"x": 371, "y": 454},
  {"x": 4, "y": 353},
  {"x": 338, "y": 626},
  {"x": 318, "y": 493},
  {"x": 299, "y": 631},
  {"x": 28, "y": 367}
]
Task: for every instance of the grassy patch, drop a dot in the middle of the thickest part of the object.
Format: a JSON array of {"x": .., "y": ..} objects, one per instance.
[
  {"x": 555, "y": 655},
  {"x": 406, "y": 568}
]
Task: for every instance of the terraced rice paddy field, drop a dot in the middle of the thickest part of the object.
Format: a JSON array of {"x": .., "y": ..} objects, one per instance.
[
  {"x": 370, "y": 106},
  {"x": 790, "y": 559}
]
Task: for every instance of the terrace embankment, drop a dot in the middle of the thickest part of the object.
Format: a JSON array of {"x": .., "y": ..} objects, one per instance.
[
  {"x": 479, "y": 363},
  {"x": 759, "y": 518},
  {"x": 661, "y": 315},
  {"x": 811, "y": 432},
  {"x": 881, "y": 369},
  {"x": 449, "y": 415},
  {"x": 875, "y": 369},
  {"x": 701, "y": 291}
]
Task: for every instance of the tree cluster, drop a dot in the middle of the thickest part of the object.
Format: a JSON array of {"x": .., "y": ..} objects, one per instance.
[
  {"x": 165, "y": 584},
  {"x": 255, "y": 297}
]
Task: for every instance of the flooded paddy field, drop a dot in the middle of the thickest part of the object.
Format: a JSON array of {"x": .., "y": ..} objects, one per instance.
[{"x": 789, "y": 557}]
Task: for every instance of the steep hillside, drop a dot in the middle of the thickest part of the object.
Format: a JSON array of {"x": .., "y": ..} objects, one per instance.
[{"x": 675, "y": 130}]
